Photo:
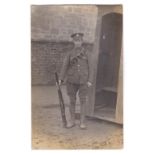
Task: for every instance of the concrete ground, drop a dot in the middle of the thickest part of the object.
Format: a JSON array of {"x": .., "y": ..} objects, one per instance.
[{"x": 48, "y": 133}]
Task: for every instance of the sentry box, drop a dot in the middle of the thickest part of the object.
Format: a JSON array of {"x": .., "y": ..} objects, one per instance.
[{"x": 106, "y": 96}]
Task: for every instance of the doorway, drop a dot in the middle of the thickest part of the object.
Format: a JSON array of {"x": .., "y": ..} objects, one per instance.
[{"x": 108, "y": 66}]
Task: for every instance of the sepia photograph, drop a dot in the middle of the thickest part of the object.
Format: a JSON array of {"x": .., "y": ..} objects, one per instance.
[{"x": 77, "y": 76}]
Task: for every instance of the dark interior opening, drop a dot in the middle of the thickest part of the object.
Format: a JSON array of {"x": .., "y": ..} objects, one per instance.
[{"x": 108, "y": 65}]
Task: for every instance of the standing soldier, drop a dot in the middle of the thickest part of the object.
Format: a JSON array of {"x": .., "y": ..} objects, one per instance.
[{"x": 78, "y": 70}]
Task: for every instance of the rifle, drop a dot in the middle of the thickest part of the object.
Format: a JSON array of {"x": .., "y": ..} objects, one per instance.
[{"x": 61, "y": 101}]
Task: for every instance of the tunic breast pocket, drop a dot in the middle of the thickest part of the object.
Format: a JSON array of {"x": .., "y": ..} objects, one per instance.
[{"x": 70, "y": 72}]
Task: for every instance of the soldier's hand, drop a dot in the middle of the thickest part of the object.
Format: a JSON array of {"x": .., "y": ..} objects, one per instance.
[
  {"x": 60, "y": 82},
  {"x": 89, "y": 84}
]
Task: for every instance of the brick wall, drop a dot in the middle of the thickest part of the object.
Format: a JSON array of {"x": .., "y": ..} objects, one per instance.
[
  {"x": 57, "y": 23},
  {"x": 46, "y": 58}
]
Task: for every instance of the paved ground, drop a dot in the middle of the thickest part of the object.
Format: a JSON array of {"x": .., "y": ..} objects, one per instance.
[{"x": 48, "y": 133}]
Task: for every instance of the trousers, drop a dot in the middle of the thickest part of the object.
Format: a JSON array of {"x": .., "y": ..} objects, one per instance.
[{"x": 82, "y": 90}]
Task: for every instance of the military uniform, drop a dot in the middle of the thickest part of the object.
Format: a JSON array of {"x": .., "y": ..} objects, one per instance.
[{"x": 77, "y": 69}]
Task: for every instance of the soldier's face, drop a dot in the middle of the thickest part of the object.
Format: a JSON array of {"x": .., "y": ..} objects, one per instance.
[{"x": 77, "y": 41}]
